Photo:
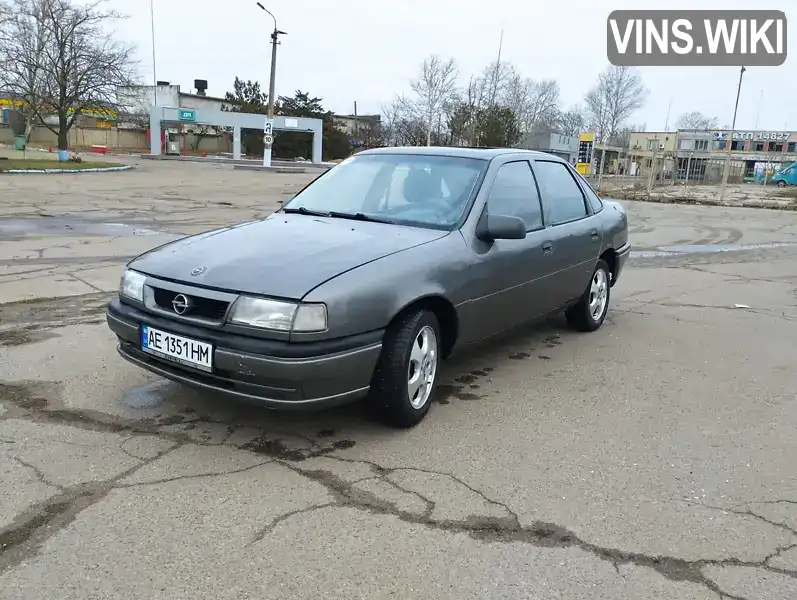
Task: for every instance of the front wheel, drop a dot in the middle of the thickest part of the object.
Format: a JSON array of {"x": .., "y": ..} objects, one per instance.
[
  {"x": 405, "y": 378},
  {"x": 590, "y": 311},
  {"x": 781, "y": 184}
]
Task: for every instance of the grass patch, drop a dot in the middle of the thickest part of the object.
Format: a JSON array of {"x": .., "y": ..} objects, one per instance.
[{"x": 37, "y": 164}]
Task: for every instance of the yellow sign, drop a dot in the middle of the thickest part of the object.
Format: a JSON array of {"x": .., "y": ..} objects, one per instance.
[
  {"x": 97, "y": 113},
  {"x": 586, "y": 142}
]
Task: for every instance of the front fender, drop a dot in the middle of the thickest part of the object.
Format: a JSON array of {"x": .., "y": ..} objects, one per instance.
[{"x": 368, "y": 297}]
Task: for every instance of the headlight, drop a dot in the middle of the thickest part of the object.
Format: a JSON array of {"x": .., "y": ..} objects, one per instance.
[
  {"x": 132, "y": 285},
  {"x": 279, "y": 316}
]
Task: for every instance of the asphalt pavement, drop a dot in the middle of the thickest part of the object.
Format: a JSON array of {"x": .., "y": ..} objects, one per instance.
[{"x": 653, "y": 459}]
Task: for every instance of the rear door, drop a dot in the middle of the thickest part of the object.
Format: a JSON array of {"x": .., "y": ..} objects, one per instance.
[{"x": 573, "y": 231}]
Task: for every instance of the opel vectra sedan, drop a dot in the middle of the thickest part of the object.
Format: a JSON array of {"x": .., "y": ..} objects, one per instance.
[{"x": 371, "y": 275}]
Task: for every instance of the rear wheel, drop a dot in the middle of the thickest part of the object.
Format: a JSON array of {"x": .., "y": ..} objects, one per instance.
[
  {"x": 406, "y": 376},
  {"x": 590, "y": 311},
  {"x": 781, "y": 184}
]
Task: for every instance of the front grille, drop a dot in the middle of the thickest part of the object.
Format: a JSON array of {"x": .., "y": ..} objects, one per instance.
[{"x": 205, "y": 308}]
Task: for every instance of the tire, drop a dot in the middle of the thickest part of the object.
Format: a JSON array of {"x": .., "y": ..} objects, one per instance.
[
  {"x": 781, "y": 184},
  {"x": 402, "y": 363},
  {"x": 581, "y": 316}
]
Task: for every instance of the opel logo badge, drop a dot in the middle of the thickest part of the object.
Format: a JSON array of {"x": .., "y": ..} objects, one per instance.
[
  {"x": 198, "y": 271},
  {"x": 181, "y": 304}
]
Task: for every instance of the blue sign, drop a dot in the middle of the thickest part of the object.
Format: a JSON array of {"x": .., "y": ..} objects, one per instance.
[{"x": 187, "y": 115}]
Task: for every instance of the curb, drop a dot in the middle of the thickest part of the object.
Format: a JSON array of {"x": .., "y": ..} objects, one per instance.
[
  {"x": 56, "y": 171},
  {"x": 765, "y": 204}
]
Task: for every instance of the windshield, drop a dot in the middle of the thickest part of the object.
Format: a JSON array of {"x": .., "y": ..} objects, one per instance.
[{"x": 411, "y": 189}]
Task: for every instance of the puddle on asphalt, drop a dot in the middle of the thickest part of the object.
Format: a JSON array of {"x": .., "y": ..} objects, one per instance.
[
  {"x": 61, "y": 225},
  {"x": 150, "y": 395},
  {"x": 706, "y": 249}
]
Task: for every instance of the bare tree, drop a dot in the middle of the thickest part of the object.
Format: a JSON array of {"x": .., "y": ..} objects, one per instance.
[
  {"x": 696, "y": 120},
  {"x": 5, "y": 13},
  {"x": 462, "y": 113},
  {"x": 61, "y": 60},
  {"x": 571, "y": 121},
  {"x": 23, "y": 42},
  {"x": 543, "y": 106},
  {"x": 392, "y": 113},
  {"x": 618, "y": 93},
  {"x": 434, "y": 88},
  {"x": 492, "y": 84}
]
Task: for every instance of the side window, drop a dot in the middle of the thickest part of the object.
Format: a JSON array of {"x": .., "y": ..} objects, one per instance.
[
  {"x": 561, "y": 191},
  {"x": 514, "y": 194}
]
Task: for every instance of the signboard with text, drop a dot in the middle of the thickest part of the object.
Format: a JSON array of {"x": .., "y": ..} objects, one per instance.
[
  {"x": 762, "y": 136},
  {"x": 187, "y": 115}
]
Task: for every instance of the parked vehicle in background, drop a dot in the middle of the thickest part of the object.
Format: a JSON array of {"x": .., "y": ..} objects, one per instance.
[
  {"x": 371, "y": 275},
  {"x": 787, "y": 176}
]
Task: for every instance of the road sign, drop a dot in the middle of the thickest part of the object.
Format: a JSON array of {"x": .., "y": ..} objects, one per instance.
[
  {"x": 268, "y": 140},
  {"x": 187, "y": 115},
  {"x": 267, "y": 128}
]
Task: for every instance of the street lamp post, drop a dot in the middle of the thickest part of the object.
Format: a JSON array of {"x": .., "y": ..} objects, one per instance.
[
  {"x": 268, "y": 129},
  {"x": 729, "y": 140}
]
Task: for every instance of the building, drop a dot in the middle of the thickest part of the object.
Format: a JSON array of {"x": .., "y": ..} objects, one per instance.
[
  {"x": 563, "y": 146},
  {"x": 644, "y": 146},
  {"x": 753, "y": 153},
  {"x": 700, "y": 154},
  {"x": 363, "y": 130},
  {"x": 135, "y": 101},
  {"x": 126, "y": 128}
]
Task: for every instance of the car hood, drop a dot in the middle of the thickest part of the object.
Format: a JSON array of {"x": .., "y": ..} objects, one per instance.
[{"x": 284, "y": 255}]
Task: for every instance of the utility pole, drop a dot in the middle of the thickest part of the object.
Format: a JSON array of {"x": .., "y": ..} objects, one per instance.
[
  {"x": 356, "y": 124},
  {"x": 154, "y": 76},
  {"x": 729, "y": 141},
  {"x": 497, "y": 74},
  {"x": 268, "y": 129},
  {"x": 652, "y": 167}
]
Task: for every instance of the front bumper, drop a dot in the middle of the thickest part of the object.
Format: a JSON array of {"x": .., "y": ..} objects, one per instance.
[
  {"x": 267, "y": 372},
  {"x": 622, "y": 257}
]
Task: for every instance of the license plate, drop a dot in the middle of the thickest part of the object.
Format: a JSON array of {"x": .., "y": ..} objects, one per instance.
[{"x": 177, "y": 348}]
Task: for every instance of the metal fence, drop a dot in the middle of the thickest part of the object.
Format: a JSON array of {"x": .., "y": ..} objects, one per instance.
[{"x": 675, "y": 177}]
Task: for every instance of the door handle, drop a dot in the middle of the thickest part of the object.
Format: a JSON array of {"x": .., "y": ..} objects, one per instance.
[
  {"x": 594, "y": 234},
  {"x": 547, "y": 248}
]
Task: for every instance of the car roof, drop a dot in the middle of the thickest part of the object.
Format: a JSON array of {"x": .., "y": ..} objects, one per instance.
[{"x": 457, "y": 151}]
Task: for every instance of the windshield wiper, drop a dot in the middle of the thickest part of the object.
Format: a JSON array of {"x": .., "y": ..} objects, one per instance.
[
  {"x": 304, "y": 211},
  {"x": 359, "y": 217},
  {"x": 337, "y": 215}
]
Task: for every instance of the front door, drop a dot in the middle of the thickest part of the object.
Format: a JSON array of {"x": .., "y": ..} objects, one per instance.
[{"x": 507, "y": 277}]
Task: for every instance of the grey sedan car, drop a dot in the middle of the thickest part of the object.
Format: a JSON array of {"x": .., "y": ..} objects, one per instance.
[{"x": 371, "y": 275}]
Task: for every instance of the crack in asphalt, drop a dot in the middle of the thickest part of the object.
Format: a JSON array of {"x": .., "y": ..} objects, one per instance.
[
  {"x": 508, "y": 529},
  {"x": 47, "y": 518},
  {"x": 31, "y": 529}
]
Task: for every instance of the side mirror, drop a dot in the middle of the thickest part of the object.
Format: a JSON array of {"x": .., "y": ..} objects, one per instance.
[{"x": 500, "y": 227}]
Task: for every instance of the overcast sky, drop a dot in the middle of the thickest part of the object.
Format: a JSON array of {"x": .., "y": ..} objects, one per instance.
[{"x": 366, "y": 51}]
